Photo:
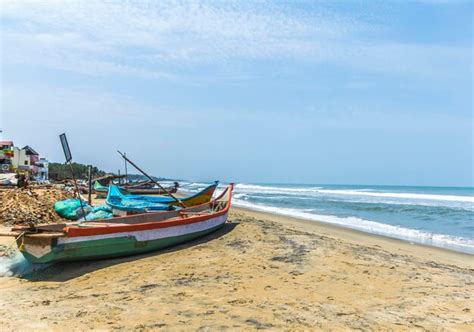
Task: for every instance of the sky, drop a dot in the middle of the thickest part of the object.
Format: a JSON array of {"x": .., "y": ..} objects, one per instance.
[{"x": 335, "y": 92}]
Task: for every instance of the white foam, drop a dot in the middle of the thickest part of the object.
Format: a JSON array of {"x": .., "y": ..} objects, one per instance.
[
  {"x": 394, "y": 201},
  {"x": 240, "y": 195},
  {"x": 450, "y": 198},
  {"x": 398, "y": 232},
  {"x": 319, "y": 191},
  {"x": 196, "y": 184},
  {"x": 276, "y": 197},
  {"x": 270, "y": 189}
]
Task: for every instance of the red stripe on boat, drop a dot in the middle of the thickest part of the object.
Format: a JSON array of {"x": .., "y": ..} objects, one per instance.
[{"x": 105, "y": 228}]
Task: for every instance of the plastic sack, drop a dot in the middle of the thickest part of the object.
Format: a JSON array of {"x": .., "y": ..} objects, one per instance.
[
  {"x": 103, "y": 208},
  {"x": 71, "y": 208},
  {"x": 99, "y": 212}
]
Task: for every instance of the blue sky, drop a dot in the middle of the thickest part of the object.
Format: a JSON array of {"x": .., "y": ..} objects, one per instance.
[{"x": 351, "y": 92}]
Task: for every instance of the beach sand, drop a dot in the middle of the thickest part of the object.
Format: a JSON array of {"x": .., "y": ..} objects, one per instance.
[{"x": 259, "y": 271}]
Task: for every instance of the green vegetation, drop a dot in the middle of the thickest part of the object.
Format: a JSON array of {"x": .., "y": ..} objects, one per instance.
[{"x": 59, "y": 171}]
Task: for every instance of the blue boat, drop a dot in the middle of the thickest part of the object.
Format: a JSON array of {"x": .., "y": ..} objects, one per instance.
[{"x": 121, "y": 200}]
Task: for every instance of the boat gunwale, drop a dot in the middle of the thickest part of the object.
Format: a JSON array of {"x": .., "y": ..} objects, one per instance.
[{"x": 75, "y": 231}]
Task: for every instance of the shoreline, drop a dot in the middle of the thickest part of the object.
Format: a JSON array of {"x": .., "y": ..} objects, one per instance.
[
  {"x": 438, "y": 217},
  {"x": 360, "y": 237}
]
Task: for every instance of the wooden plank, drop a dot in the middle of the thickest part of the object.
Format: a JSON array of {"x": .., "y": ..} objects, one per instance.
[
  {"x": 14, "y": 234},
  {"x": 46, "y": 235}
]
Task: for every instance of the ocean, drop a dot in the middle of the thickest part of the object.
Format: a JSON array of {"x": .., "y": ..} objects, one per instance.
[{"x": 436, "y": 216}]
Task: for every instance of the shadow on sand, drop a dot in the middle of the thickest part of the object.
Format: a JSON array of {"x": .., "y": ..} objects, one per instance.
[{"x": 65, "y": 271}]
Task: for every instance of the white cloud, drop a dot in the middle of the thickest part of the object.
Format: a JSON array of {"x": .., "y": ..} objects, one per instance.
[
  {"x": 157, "y": 39},
  {"x": 171, "y": 31}
]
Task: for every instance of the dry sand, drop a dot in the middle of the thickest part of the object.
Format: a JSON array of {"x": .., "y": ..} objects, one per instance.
[{"x": 259, "y": 271}]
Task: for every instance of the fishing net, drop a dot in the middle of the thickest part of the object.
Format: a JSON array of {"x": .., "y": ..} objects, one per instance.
[
  {"x": 71, "y": 208},
  {"x": 99, "y": 212}
]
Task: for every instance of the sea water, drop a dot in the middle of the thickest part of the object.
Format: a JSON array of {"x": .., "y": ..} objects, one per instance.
[{"x": 437, "y": 216}]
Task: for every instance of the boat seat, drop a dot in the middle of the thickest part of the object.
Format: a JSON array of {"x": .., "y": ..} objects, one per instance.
[
  {"x": 219, "y": 205},
  {"x": 183, "y": 214}
]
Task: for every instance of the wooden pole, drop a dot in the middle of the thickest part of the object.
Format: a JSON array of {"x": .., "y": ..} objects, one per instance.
[
  {"x": 151, "y": 179},
  {"x": 89, "y": 198},
  {"x": 126, "y": 173},
  {"x": 77, "y": 190}
]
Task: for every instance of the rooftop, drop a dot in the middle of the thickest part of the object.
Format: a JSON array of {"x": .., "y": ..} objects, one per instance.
[{"x": 30, "y": 150}]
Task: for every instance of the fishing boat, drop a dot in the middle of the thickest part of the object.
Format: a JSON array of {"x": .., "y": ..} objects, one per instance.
[
  {"x": 141, "y": 189},
  {"x": 142, "y": 185},
  {"x": 100, "y": 190},
  {"x": 152, "y": 191},
  {"x": 123, "y": 202},
  {"x": 120, "y": 236}
]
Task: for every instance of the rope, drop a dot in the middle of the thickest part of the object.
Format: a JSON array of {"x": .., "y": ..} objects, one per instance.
[{"x": 22, "y": 236}]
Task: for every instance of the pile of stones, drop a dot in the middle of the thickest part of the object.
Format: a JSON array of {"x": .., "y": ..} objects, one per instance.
[{"x": 27, "y": 206}]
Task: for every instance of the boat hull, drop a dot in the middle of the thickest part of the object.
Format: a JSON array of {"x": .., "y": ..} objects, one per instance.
[
  {"x": 103, "y": 194},
  {"x": 151, "y": 191},
  {"x": 39, "y": 250}
]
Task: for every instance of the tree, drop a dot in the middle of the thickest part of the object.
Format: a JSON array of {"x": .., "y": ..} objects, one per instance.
[{"x": 59, "y": 171}]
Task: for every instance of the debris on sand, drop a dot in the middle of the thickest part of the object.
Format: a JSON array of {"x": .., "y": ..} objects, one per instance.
[{"x": 25, "y": 206}]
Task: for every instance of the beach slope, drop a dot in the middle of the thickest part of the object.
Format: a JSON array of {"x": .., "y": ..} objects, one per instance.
[{"x": 259, "y": 271}]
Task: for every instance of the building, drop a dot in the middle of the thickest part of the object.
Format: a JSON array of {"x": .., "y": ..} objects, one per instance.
[
  {"x": 43, "y": 169},
  {"x": 6, "y": 156},
  {"x": 26, "y": 159}
]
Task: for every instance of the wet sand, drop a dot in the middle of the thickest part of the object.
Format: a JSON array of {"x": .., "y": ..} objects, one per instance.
[{"x": 259, "y": 271}]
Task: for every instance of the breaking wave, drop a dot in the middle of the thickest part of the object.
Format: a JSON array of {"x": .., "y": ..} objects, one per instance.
[
  {"x": 451, "y": 198},
  {"x": 441, "y": 217},
  {"x": 373, "y": 227}
]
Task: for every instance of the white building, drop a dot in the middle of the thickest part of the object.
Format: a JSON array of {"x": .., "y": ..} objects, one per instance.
[
  {"x": 43, "y": 169},
  {"x": 25, "y": 159}
]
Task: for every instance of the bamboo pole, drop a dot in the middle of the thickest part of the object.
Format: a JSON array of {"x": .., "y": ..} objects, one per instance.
[
  {"x": 89, "y": 197},
  {"x": 151, "y": 179},
  {"x": 126, "y": 172}
]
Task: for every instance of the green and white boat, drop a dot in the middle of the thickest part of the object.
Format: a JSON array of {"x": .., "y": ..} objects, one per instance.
[{"x": 121, "y": 236}]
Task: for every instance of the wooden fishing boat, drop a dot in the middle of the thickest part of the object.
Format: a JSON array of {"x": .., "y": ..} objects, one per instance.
[
  {"x": 121, "y": 236},
  {"x": 101, "y": 190},
  {"x": 151, "y": 191},
  {"x": 121, "y": 200},
  {"x": 141, "y": 185},
  {"x": 105, "y": 180}
]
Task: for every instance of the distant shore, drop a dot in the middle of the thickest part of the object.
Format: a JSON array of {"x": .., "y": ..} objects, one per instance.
[{"x": 259, "y": 271}]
